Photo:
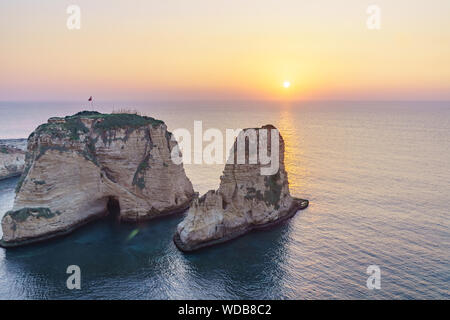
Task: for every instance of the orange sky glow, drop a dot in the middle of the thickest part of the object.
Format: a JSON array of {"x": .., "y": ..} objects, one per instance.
[{"x": 179, "y": 50}]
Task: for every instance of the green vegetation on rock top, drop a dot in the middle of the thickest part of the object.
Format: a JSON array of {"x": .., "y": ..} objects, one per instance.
[
  {"x": 73, "y": 127},
  {"x": 124, "y": 120},
  {"x": 86, "y": 113},
  {"x": 116, "y": 120}
]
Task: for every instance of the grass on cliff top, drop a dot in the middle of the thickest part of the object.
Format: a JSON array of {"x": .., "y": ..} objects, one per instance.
[
  {"x": 125, "y": 120},
  {"x": 72, "y": 127},
  {"x": 117, "y": 120}
]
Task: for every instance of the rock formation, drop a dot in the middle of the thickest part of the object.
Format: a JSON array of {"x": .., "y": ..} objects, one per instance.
[
  {"x": 77, "y": 165},
  {"x": 245, "y": 200},
  {"x": 12, "y": 161}
]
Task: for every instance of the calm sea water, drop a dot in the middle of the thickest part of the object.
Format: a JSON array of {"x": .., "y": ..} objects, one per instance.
[{"x": 377, "y": 176}]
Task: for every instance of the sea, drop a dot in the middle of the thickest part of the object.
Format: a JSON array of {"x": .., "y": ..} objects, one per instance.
[{"x": 377, "y": 175}]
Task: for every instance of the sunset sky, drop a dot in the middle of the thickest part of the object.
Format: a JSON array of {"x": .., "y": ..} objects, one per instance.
[{"x": 225, "y": 49}]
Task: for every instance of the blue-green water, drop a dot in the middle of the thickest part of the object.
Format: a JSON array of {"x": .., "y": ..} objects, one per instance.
[
  {"x": 377, "y": 176},
  {"x": 148, "y": 266}
]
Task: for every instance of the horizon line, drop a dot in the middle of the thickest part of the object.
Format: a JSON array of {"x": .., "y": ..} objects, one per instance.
[{"x": 219, "y": 100}]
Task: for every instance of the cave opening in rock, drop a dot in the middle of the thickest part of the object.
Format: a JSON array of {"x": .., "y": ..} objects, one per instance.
[{"x": 113, "y": 207}]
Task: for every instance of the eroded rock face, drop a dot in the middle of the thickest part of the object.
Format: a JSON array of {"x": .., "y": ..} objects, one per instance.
[
  {"x": 245, "y": 200},
  {"x": 12, "y": 161},
  {"x": 77, "y": 164}
]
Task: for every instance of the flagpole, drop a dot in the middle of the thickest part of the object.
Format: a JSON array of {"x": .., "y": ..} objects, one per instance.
[{"x": 91, "y": 100}]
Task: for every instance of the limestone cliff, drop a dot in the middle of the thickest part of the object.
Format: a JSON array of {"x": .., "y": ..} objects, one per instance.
[
  {"x": 12, "y": 161},
  {"x": 76, "y": 165},
  {"x": 245, "y": 200}
]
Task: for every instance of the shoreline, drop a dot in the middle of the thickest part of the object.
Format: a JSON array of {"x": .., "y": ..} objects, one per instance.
[{"x": 297, "y": 205}]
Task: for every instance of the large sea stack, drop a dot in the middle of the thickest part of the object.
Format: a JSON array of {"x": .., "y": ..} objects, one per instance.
[
  {"x": 245, "y": 200},
  {"x": 79, "y": 165}
]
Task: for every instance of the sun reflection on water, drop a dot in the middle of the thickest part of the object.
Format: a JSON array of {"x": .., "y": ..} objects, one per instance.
[{"x": 294, "y": 150}]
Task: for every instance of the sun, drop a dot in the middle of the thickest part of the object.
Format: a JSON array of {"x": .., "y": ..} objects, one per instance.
[{"x": 286, "y": 84}]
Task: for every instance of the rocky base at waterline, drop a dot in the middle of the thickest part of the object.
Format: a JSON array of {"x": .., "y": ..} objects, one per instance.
[
  {"x": 12, "y": 158},
  {"x": 78, "y": 165},
  {"x": 297, "y": 204},
  {"x": 246, "y": 200},
  {"x": 45, "y": 213}
]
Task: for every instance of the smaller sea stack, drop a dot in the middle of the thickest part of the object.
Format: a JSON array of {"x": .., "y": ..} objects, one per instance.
[{"x": 246, "y": 199}]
